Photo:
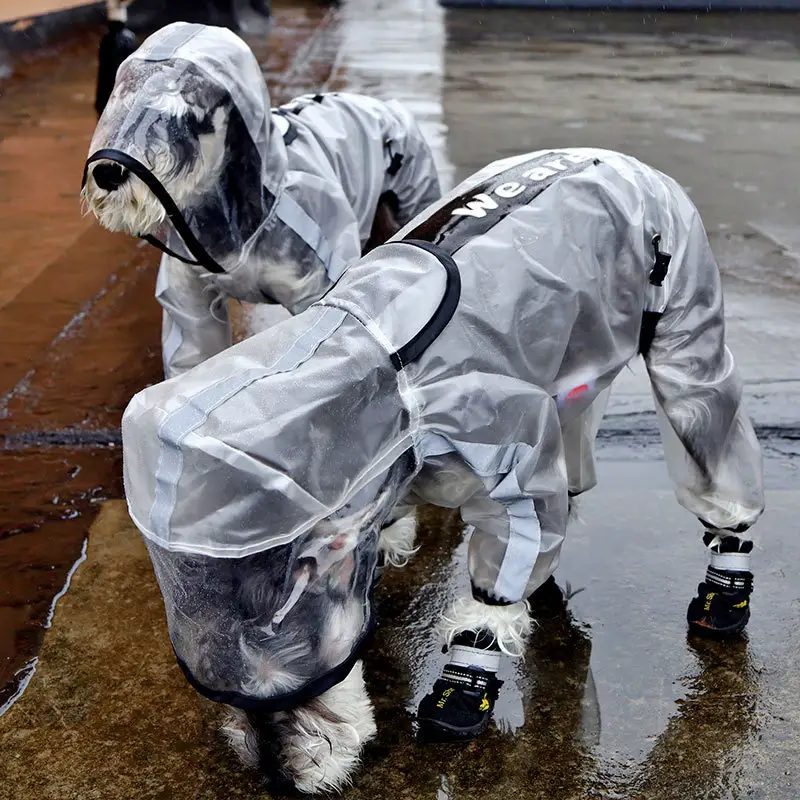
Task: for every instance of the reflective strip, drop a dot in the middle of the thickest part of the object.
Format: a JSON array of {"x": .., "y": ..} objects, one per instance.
[
  {"x": 524, "y": 539},
  {"x": 290, "y": 213},
  {"x": 461, "y": 656},
  {"x": 732, "y": 562},
  {"x": 186, "y": 418}
]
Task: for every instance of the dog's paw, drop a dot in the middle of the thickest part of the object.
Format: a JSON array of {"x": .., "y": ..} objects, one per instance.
[
  {"x": 321, "y": 747},
  {"x": 396, "y": 541}
]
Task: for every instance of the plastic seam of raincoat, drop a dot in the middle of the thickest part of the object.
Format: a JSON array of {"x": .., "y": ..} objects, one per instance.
[
  {"x": 405, "y": 389},
  {"x": 174, "y": 338},
  {"x": 196, "y": 410},
  {"x": 166, "y": 49},
  {"x": 171, "y": 344}
]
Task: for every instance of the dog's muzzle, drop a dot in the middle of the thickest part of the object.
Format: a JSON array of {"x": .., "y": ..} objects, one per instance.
[{"x": 115, "y": 171}]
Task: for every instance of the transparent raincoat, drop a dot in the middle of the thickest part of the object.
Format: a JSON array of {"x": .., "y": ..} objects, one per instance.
[
  {"x": 463, "y": 364},
  {"x": 292, "y": 191}
]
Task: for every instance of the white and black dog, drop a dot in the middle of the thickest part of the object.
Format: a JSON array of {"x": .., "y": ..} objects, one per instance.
[
  {"x": 465, "y": 364},
  {"x": 247, "y": 202}
]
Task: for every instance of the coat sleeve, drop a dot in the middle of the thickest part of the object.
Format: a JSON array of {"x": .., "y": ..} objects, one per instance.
[
  {"x": 196, "y": 323},
  {"x": 519, "y": 519},
  {"x": 411, "y": 172},
  {"x": 712, "y": 453}
]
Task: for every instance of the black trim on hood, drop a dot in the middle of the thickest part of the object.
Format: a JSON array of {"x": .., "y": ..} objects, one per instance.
[
  {"x": 163, "y": 196},
  {"x": 413, "y": 349},
  {"x": 287, "y": 701}
]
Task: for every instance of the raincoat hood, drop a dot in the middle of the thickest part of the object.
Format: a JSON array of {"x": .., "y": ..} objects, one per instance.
[
  {"x": 261, "y": 478},
  {"x": 190, "y": 117}
]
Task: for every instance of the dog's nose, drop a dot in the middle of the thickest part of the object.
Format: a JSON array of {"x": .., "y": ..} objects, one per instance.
[{"x": 109, "y": 176}]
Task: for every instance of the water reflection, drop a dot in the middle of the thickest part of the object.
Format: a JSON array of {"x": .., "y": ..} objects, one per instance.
[{"x": 697, "y": 754}]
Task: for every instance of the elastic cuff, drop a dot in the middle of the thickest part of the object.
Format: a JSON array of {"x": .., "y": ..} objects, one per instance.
[
  {"x": 489, "y": 599},
  {"x": 741, "y": 528},
  {"x": 488, "y": 660}
]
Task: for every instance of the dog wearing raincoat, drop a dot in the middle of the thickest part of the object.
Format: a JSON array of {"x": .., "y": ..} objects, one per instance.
[
  {"x": 259, "y": 204},
  {"x": 466, "y": 363},
  {"x": 247, "y": 202}
]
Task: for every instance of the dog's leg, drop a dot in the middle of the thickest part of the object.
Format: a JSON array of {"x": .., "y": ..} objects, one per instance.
[
  {"x": 396, "y": 542},
  {"x": 321, "y": 741},
  {"x": 508, "y": 626},
  {"x": 241, "y": 736},
  {"x": 461, "y": 703},
  {"x": 574, "y": 511},
  {"x": 314, "y": 748}
]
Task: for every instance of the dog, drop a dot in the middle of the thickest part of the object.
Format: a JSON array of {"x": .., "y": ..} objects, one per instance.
[
  {"x": 465, "y": 364},
  {"x": 247, "y": 202},
  {"x": 196, "y": 146},
  {"x": 268, "y": 623}
]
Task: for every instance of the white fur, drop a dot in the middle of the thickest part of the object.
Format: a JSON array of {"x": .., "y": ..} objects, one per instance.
[
  {"x": 510, "y": 625},
  {"x": 321, "y": 754},
  {"x": 341, "y": 628},
  {"x": 320, "y": 742},
  {"x": 240, "y": 736},
  {"x": 132, "y": 208},
  {"x": 270, "y": 674},
  {"x": 574, "y": 515},
  {"x": 396, "y": 541}
]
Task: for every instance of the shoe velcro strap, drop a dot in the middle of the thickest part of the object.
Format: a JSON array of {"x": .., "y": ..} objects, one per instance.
[{"x": 731, "y": 581}]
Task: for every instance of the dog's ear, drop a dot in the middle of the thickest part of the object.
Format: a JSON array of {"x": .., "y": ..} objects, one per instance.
[{"x": 241, "y": 179}]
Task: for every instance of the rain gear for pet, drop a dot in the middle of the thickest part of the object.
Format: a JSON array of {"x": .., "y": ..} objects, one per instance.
[
  {"x": 482, "y": 341},
  {"x": 291, "y": 198}
]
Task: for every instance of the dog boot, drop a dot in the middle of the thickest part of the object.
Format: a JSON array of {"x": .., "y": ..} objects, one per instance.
[
  {"x": 722, "y": 605},
  {"x": 461, "y": 703}
]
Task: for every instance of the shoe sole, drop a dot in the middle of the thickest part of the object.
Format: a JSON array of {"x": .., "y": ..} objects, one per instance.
[
  {"x": 720, "y": 633},
  {"x": 441, "y": 731}
]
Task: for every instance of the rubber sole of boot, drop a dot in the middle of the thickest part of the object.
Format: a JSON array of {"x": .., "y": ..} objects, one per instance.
[
  {"x": 720, "y": 633},
  {"x": 436, "y": 730}
]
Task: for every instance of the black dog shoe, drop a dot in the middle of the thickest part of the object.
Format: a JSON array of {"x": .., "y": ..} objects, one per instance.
[
  {"x": 722, "y": 605},
  {"x": 718, "y": 611},
  {"x": 460, "y": 705},
  {"x": 462, "y": 701}
]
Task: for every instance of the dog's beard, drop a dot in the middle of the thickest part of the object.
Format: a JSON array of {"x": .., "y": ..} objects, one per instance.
[
  {"x": 269, "y": 673},
  {"x": 187, "y": 165},
  {"x": 132, "y": 208},
  {"x": 315, "y": 747}
]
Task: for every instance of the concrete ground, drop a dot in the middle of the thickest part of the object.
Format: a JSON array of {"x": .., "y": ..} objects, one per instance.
[{"x": 615, "y": 702}]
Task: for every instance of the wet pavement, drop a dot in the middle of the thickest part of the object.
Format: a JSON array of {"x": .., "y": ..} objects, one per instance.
[
  {"x": 614, "y": 702},
  {"x": 79, "y": 330}
]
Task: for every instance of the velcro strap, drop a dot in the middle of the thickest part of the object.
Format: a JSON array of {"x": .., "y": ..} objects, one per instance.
[
  {"x": 730, "y": 581},
  {"x": 730, "y": 562}
]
